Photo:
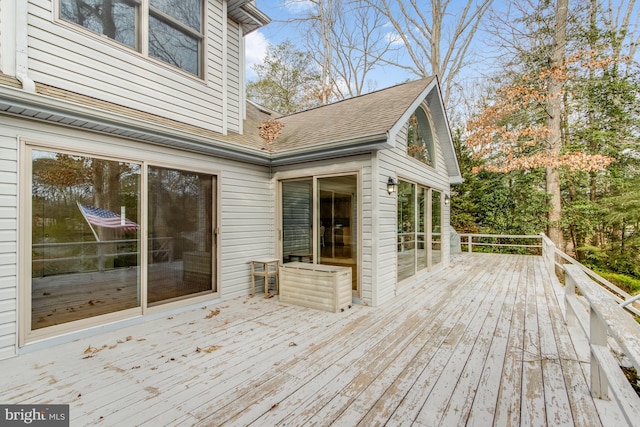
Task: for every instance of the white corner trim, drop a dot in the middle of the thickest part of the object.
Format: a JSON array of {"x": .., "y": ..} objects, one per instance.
[
  {"x": 225, "y": 68},
  {"x": 22, "y": 42}
]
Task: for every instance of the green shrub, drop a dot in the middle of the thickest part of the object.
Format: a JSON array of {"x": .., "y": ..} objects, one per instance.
[{"x": 624, "y": 282}]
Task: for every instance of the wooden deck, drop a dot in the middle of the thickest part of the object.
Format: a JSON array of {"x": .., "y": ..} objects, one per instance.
[{"x": 481, "y": 343}]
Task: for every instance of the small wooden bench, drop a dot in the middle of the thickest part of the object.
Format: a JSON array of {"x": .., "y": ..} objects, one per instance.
[{"x": 265, "y": 268}]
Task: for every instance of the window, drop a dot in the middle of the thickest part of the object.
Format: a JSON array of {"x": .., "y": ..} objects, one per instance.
[
  {"x": 175, "y": 34},
  {"x": 87, "y": 238},
  {"x": 420, "y": 138}
]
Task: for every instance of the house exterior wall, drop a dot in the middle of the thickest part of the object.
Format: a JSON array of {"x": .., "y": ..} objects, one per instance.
[
  {"x": 235, "y": 79},
  {"x": 245, "y": 209},
  {"x": 67, "y": 56},
  {"x": 8, "y": 243},
  {"x": 397, "y": 164},
  {"x": 361, "y": 164}
]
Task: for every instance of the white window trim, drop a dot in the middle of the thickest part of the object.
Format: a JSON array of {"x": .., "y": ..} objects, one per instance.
[{"x": 143, "y": 37}]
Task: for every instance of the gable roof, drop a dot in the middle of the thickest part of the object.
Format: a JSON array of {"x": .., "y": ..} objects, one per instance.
[
  {"x": 367, "y": 116},
  {"x": 363, "y": 123}
]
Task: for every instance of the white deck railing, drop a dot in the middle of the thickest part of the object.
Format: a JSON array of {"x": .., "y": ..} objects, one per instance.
[
  {"x": 499, "y": 240},
  {"x": 599, "y": 309},
  {"x": 556, "y": 260},
  {"x": 96, "y": 253}
]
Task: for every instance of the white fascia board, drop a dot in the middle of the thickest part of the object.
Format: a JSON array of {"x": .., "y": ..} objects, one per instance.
[
  {"x": 438, "y": 111},
  {"x": 393, "y": 132}
]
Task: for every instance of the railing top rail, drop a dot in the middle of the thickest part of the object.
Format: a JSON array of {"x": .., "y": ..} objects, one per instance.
[
  {"x": 623, "y": 295},
  {"x": 93, "y": 242},
  {"x": 546, "y": 239},
  {"x": 620, "y": 325},
  {"x": 501, "y": 236}
]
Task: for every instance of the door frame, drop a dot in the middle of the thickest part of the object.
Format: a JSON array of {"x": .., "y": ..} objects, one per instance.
[{"x": 315, "y": 174}]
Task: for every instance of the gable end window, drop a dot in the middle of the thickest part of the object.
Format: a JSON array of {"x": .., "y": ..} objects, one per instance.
[
  {"x": 420, "y": 138},
  {"x": 173, "y": 34}
]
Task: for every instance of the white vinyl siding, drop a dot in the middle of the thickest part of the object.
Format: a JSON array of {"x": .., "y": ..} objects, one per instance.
[
  {"x": 397, "y": 164},
  {"x": 234, "y": 94},
  {"x": 8, "y": 245},
  {"x": 247, "y": 225},
  {"x": 246, "y": 208},
  {"x": 68, "y": 57},
  {"x": 368, "y": 236}
]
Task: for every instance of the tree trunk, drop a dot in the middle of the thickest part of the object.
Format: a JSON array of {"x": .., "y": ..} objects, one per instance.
[{"x": 554, "y": 123}]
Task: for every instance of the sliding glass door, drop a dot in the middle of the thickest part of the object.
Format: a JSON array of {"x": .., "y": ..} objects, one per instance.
[
  {"x": 181, "y": 244},
  {"x": 436, "y": 227},
  {"x": 338, "y": 223},
  {"x": 297, "y": 221},
  {"x": 320, "y": 221},
  {"x": 406, "y": 230},
  {"x": 87, "y": 238}
]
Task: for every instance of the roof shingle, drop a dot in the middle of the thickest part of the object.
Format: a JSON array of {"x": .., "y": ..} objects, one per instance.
[{"x": 362, "y": 116}]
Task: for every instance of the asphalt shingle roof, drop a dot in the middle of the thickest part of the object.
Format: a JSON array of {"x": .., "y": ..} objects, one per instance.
[{"x": 367, "y": 115}]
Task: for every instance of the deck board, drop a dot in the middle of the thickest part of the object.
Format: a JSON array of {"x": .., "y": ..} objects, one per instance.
[
  {"x": 462, "y": 398},
  {"x": 485, "y": 398},
  {"x": 482, "y": 342}
]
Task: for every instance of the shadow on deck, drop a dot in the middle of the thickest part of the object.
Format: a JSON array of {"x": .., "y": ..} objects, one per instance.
[{"x": 482, "y": 342}]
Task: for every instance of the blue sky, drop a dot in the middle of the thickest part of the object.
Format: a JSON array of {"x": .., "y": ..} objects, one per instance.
[
  {"x": 277, "y": 31},
  {"x": 485, "y": 56}
]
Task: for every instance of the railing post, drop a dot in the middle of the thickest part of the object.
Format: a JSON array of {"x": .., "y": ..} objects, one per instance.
[
  {"x": 549, "y": 254},
  {"x": 569, "y": 296},
  {"x": 597, "y": 336},
  {"x": 101, "y": 256},
  {"x": 470, "y": 246}
]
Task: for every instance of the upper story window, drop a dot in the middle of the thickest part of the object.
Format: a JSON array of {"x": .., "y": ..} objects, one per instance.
[
  {"x": 420, "y": 138},
  {"x": 173, "y": 31}
]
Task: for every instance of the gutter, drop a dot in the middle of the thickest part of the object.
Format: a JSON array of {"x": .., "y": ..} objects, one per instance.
[
  {"x": 335, "y": 149},
  {"x": 255, "y": 14},
  {"x": 149, "y": 132},
  {"x": 35, "y": 106}
]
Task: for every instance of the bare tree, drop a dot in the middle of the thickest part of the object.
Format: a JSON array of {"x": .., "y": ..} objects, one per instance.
[
  {"x": 361, "y": 43},
  {"x": 424, "y": 32},
  {"x": 322, "y": 22},
  {"x": 348, "y": 40}
]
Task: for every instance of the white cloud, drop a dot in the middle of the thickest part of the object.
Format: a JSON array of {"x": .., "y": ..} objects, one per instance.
[
  {"x": 298, "y": 6},
  {"x": 393, "y": 38},
  {"x": 255, "y": 51}
]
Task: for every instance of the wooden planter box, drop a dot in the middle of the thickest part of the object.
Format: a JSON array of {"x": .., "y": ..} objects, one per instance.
[{"x": 323, "y": 287}]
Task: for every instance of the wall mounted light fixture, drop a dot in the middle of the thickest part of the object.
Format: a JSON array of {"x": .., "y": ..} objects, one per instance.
[
  {"x": 447, "y": 199},
  {"x": 392, "y": 186}
]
